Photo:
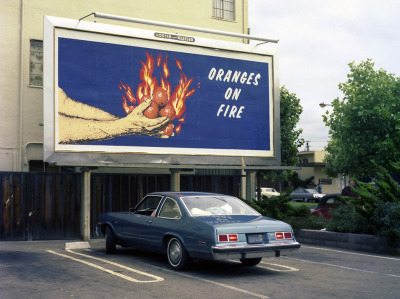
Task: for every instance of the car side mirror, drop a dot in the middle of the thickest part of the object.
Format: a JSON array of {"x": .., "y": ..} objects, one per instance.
[{"x": 132, "y": 210}]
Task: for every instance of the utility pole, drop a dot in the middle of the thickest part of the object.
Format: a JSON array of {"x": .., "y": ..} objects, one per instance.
[{"x": 307, "y": 145}]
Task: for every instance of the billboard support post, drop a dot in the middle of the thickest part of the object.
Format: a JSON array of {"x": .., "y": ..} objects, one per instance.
[
  {"x": 85, "y": 204},
  {"x": 175, "y": 180},
  {"x": 250, "y": 184}
]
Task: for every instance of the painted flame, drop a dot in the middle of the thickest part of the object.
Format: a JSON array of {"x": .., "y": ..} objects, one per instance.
[
  {"x": 180, "y": 95},
  {"x": 178, "y": 129},
  {"x": 178, "y": 64},
  {"x": 165, "y": 67},
  {"x": 159, "y": 59},
  {"x": 149, "y": 84},
  {"x": 128, "y": 96}
]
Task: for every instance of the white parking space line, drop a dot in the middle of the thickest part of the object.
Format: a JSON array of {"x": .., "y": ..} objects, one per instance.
[
  {"x": 277, "y": 267},
  {"x": 342, "y": 267},
  {"x": 154, "y": 278},
  {"x": 353, "y": 253},
  {"x": 272, "y": 267},
  {"x": 223, "y": 285}
]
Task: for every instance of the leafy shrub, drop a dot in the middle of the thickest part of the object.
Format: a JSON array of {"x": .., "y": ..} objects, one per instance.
[
  {"x": 376, "y": 209},
  {"x": 386, "y": 221},
  {"x": 279, "y": 208},
  {"x": 348, "y": 220},
  {"x": 306, "y": 222}
]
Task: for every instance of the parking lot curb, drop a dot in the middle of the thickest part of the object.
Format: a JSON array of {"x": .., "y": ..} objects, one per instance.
[
  {"x": 77, "y": 245},
  {"x": 357, "y": 242}
]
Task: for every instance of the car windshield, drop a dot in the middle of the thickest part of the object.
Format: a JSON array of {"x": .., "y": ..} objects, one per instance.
[{"x": 216, "y": 205}]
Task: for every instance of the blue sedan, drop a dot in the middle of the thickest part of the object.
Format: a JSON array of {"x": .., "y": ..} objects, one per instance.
[{"x": 196, "y": 225}]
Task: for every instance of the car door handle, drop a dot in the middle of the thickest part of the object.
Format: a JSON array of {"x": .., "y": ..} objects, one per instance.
[{"x": 149, "y": 222}]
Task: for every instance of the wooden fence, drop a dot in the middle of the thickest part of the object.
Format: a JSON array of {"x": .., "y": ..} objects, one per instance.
[{"x": 46, "y": 206}]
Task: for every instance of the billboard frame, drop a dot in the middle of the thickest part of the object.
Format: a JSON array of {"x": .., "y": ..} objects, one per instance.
[{"x": 156, "y": 160}]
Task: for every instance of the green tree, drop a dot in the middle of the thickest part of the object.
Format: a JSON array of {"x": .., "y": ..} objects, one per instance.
[
  {"x": 365, "y": 124},
  {"x": 290, "y": 110}
]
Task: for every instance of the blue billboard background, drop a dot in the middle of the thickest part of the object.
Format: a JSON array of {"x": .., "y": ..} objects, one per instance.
[{"x": 91, "y": 72}]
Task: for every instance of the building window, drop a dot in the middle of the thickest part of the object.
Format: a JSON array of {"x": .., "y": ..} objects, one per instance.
[
  {"x": 224, "y": 9},
  {"x": 36, "y": 63}
]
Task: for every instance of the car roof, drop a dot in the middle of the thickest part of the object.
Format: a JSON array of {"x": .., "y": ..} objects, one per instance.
[
  {"x": 330, "y": 195},
  {"x": 186, "y": 193},
  {"x": 325, "y": 198}
]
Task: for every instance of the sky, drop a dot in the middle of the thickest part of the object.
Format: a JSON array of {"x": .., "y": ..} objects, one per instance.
[{"x": 317, "y": 41}]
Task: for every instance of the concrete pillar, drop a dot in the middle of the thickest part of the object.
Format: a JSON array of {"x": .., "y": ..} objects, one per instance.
[
  {"x": 250, "y": 184},
  {"x": 258, "y": 185},
  {"x": 85, "y": 205},
  {"x": 243, "y": 184},
  {"x": 175, "y": 180}
]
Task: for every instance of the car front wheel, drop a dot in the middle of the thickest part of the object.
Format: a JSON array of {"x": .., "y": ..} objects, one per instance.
[
  {"x": 250, "y": 262},
  {"x": 111, "y": 241},
  {"x": 178, "y": 257}
]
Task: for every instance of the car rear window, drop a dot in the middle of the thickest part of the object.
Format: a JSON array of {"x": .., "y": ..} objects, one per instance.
[{"x": 216, "y": 205}]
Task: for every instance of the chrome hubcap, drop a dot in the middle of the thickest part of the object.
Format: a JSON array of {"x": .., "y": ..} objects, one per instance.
[{"x": 175, "y": 252}]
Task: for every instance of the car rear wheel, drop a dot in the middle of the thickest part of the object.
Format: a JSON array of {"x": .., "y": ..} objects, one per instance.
[
  {"x": 251, "y": 262},
  {"x": 178, "y": 257},
  {"x": 111, "y": 241}
]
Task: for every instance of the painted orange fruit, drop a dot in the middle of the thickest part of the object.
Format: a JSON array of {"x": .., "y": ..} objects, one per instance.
[
  {"x": 160, "y": 96},
  {"x": 152, "y": 111},
  {"x": 168, "y": 111},
  {"x": 168, "y": 129}
]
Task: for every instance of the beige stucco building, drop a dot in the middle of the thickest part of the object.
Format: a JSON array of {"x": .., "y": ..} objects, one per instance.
[
  {"x": 312, "y": 164},
  {"x": 21, "y": 58}
]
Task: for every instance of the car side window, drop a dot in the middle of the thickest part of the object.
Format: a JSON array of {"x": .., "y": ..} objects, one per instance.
[
  {"x": 170, "y": 209},
  {"x": 330, "y": 201},
  {"x": 148, "y": 205}
]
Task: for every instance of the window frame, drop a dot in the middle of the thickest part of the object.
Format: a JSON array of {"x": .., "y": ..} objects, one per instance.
[
  {"x": 224, "y": 10},
  {"x": 164, "y": 205},
  {"x": 35, "y": 62},
  {"x": 147, "y": 210}
]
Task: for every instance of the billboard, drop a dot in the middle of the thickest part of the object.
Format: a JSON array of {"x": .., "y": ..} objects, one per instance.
[{"x": 119, "y": 95}]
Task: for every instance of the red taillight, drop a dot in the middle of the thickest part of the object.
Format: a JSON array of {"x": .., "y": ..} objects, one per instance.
[
  {"x": 233, "y": 238},
  {"x": 285, "y": 235},
  {"x": 228, "y": 238},
  {"x": 223, "y": 238}
]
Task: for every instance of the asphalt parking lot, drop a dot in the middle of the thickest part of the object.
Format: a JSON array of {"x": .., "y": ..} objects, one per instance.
[{"x": 45, "y": 269}]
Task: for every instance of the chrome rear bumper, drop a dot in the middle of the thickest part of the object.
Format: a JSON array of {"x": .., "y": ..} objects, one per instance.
[{"x": 254, "y": 250}]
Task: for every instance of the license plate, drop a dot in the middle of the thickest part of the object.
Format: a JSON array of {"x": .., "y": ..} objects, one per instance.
[{"x": 255, "y": 239}]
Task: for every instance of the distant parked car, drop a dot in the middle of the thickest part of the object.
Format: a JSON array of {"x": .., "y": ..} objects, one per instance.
[
  {"x": 326, "y": 204},
  {"x": 306, "y": 195},
  {"x": 269, "y": 192}
]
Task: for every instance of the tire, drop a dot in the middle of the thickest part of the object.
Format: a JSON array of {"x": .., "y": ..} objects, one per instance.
[
  {"x": 251, "y": 262},
  {"x": 111, "y": 241},
  {"x": 178, "y": 257}
]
